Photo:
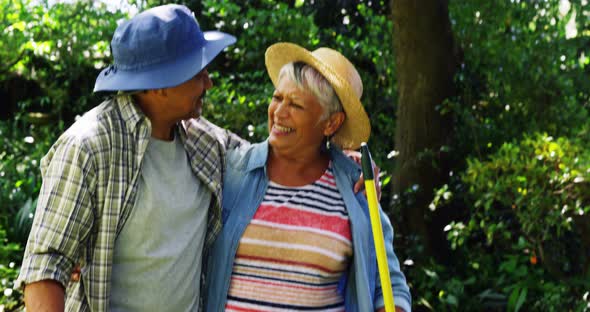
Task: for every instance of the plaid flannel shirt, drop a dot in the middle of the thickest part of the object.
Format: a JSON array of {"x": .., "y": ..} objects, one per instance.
[{"x": 90, "y": 179}]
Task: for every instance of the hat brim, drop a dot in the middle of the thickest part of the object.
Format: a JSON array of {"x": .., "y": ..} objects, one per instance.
[
  {"x": 165, "y": 75},
  {"x": 356, "y": 128}
]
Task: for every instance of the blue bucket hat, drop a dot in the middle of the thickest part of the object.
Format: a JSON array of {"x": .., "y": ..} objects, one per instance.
[{"x": 159, "y": 48}]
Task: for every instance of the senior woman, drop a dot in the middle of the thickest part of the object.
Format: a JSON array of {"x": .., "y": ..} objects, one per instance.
[{"x": 295, "y": 236}]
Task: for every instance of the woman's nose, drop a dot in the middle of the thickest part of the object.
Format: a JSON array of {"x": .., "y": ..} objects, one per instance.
[{"x": 281, "y": 110}]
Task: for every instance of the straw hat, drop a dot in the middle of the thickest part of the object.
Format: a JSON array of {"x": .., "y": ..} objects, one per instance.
[{"x": 342, "y": 76}]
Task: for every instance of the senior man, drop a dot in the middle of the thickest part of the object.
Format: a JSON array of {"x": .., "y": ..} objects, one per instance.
[{"x": 132, "y": 190}]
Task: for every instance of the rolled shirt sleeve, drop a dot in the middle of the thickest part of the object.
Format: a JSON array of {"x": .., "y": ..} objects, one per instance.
[{"x": 64, "y": 215}]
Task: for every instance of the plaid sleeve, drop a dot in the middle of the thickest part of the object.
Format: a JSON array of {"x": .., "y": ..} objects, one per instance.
[
  {"x": 228, "y": 139},
  {"x": 63, "y": 218},
  {"x": 234, "y": 141}
]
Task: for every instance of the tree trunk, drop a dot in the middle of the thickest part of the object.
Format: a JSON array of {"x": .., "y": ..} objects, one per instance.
[{"x": 425, "y": 65}]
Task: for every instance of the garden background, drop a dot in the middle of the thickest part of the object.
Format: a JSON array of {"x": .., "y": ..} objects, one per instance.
[{"x": 479, "y": 112}]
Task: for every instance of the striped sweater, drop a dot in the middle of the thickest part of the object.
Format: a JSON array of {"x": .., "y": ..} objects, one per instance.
[{"x": 294, "y": 251}]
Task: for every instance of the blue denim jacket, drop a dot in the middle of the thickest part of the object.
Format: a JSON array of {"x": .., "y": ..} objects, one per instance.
[{"x": 245, "y": 183}]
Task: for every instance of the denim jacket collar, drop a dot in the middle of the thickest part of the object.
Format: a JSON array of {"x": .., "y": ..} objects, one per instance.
[{"x": 259, "y": 157}]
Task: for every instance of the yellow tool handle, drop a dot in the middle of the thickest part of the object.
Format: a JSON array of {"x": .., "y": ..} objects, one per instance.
[
  {"x": 367, "y": 166},
  {"x": 380, "y": 246}
]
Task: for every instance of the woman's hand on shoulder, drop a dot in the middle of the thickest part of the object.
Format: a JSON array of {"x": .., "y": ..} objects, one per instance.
[{"x": 360, "y": 184}]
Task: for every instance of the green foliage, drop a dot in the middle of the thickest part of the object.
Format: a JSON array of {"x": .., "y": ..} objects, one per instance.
[
  {"x": 539, "y": 178},
  {"x": 488, "y": 278},
  {"x": 524, "y": 245},
  {"x": 10, "y": 299},
  {"x": 521, "y": 71},
  {"x": 61, "y": 48},
  {"x": 524, "y": 70},
  {"x": 22, "y": 146}
]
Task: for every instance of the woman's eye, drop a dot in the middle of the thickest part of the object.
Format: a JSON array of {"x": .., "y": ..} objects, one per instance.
[
  {"x": 297, "y": 106},
  {"x": 276, "y": 98}
]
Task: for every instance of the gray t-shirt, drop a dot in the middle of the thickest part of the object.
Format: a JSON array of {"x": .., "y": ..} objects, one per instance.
[{"x": 158, "y": 254}]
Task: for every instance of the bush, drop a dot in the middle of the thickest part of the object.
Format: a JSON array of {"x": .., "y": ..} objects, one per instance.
[
  {"x": 540, "y": 189},
  {"x": 22, "y": 145},
  {"x": 530, "y": 212},
  {"x": 10, "y": 299}
]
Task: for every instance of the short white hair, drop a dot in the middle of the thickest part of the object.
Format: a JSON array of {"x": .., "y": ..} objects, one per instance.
[{"x": 309, "y": 79}]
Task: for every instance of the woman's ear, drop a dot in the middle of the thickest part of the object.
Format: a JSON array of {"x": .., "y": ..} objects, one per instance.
[{"x": 334, "y": 122}]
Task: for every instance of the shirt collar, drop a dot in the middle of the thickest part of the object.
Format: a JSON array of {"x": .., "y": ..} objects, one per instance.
[{"x": 131, "y": 113}]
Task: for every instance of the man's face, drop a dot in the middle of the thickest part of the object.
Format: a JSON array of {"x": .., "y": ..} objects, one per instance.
[{"x": 185, "y": 101}]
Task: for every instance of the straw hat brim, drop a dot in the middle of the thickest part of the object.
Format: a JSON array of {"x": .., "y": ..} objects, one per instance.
[{"x": 356, "y": 128}]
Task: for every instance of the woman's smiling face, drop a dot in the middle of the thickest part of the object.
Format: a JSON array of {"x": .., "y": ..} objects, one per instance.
[{"x": 294, "y": 119}]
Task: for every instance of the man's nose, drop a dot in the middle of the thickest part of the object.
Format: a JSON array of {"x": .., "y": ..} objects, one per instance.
[{"x": 207, "y": 80}]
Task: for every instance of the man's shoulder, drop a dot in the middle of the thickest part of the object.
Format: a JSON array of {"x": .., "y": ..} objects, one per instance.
[
  {"x": 94, "y": 129},
  {"x": 208, "y": 132},
  {"x": 199, "y": 125},
  {"x": 202, "y": 126}
]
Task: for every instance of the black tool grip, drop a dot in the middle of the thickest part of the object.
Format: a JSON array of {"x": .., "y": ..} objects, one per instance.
[{"x": 366, "y": 162}]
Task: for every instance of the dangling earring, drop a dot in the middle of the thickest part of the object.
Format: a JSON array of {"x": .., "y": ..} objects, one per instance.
[{"x": 328, "y": 139}]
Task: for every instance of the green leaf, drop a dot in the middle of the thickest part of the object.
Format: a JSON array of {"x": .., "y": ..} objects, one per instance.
[
  {"x": 521, "y": 299},
  {"x": 299, "y": 3}
]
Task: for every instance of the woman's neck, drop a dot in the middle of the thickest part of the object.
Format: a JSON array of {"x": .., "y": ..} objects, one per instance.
[{"x": 296, "y": 171}]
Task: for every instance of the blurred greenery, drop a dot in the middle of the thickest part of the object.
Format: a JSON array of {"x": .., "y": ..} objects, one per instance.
[{"x": 520, "y": 153}]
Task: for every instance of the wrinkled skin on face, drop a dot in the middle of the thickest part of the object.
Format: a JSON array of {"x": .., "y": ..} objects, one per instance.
[{"x": 294, "y": 120}]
